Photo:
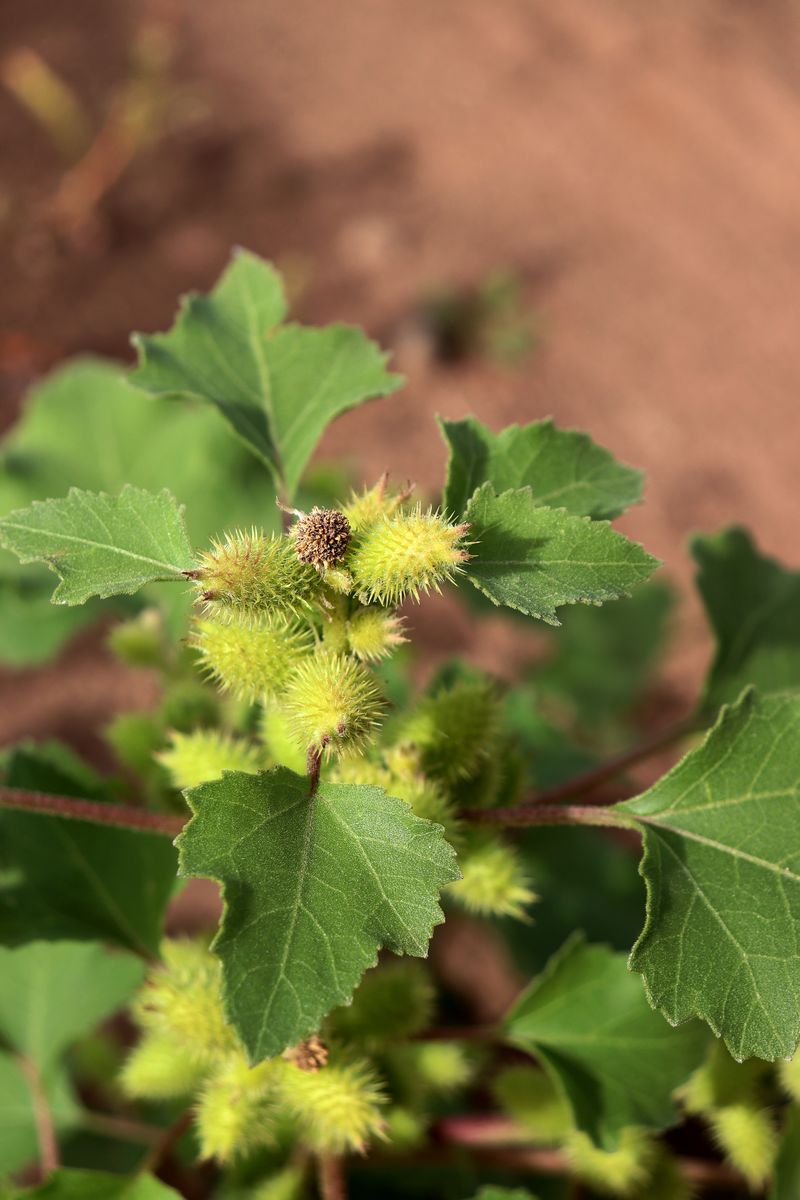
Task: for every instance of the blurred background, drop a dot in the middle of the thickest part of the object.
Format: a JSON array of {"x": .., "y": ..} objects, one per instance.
[{"x": 582, "y": 210}]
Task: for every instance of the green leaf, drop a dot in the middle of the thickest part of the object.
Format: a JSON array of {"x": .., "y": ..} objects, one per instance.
[
  {"x": 97, "y": 1185},
  {"x": 68, "y": 879},
  {"x": 277, "y": 385},
  {"x": 536, "y": 559},
  {"x": 51, "y": 993},
  {"x": 563, "y": 468},
  {"x": 753, "y": 606},
  {"x": 722, "y": 868},
  {"x": 32, "y": 629},
  {"x": 313, "y": 888},
  {"x": 19, "y": 1144},
  {"x": 101, "y": 545},
  {"x": 603, "y": 658},
  {"x": 786, "y": 1178},
  {"x": 614, "y": 1060}
]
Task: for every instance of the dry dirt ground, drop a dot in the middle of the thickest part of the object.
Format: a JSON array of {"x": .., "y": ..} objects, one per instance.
[{"x": 638, "y": 165}]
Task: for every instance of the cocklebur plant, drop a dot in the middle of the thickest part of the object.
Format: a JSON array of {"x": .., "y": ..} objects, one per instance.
[{"x": 301, "y": 1040}]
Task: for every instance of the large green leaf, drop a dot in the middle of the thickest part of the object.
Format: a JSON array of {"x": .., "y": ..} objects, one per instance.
[
  {"x": 722, "y": 868},
  {"x": 313, "y": 888},
  {"x": 98, "y": 1185},
  {"x": 753, "y": 606},
  {"x": 562, "y": 467},
  {"x": 52, "y": 992},
  {"x": 614, "y": 1060},
  {"x": 69, "y": 879},
  {"x": 537, "y": 559},
  {"x": 101, "y": 545},
  {"x": 19, "y": 1143},
  {"x": 278, "y": 385}
]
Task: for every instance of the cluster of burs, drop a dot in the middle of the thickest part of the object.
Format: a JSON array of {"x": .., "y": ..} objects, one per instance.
[{"x": 294, "y": 627}]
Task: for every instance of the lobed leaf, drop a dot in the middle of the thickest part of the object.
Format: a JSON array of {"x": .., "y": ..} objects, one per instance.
[
  {"x": 77, "y": 880},
  {"x": 612, "y": 1058},
  {"x": 277, "y": 385},
  {"x": 722, "y": 868},
  {"x": 753, "y": 606},
  {"x": 101, "y": 545},
  {"x": 313, "y": 888},
  {"x": 66, "y": 1184},
  {"x": 563, "y": 468},
  {"x": 537, "y": 559}
]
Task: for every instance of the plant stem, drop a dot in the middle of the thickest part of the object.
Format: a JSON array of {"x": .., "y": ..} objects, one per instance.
[
  {"x": 330, "y": 1178},
  {"x": 43, "y": 1117},
  {"x": 166, "y": 1142},
  {"x": 548, "y": 814},
  {"x": 496, "y": 1140},
  {"x": 91, "y": 810},
  {"x": 122, "y": 1128},
  {"x": 590, "y": 780}
]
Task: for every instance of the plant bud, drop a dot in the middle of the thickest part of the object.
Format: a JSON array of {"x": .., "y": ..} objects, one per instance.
[
  {"x": 494, "y": 882},
  {"x": 405, "y": 1128},
  {"x": 250, "y": 574},
  {"x": 407, "y": 554},
  {"x": 322, "y": 537},
  {"x": 308, "y": 1055},
  {"x": 442, "y": 1067},
  {"x": 253, "y": 660},
  {"x": 187, "y": 704},
  {"x": 194, "y": 758},
  {"x": 333, "y": 704},
  {"x": 338, "y": 1108},
  {"x": 748, "y": 1139},
  {"x": 373, "y": 633}
]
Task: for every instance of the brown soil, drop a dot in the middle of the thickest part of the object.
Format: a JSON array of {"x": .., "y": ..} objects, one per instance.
[{"x": 636, "y": 164}]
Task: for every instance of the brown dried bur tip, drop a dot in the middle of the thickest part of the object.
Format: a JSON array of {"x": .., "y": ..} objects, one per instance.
[
  {"x": 310, "y": 1055},
  {"x": 321, "y": 538}
]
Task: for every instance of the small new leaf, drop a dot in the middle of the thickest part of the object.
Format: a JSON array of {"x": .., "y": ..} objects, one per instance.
[
  {"x": 562, "y": 467},
  {"x": 753, "y": 606},
  {"x": 313, "y": 888},
  {"x": 614, "y": 1060},
  {"x": 722, "y": 867},
  {"x": 101, "y": 545},
  {"x": 536, "y": 559},
  {"x": 277, "y": 385}
]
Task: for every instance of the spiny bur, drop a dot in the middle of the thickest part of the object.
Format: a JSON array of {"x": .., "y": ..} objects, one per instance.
[
  {"x": 407, "y": 554},
  {"x": 493, "y": 879},
  {"x": 160, "y": 1068},
  {"x": 236, "y": 1109},
  {"x": 252, "y": 573},
  {"x": 253, "y": 660},
  {"x": 338, "y": 1109},
  {"x": 374, "y": 633},
  {"x": 393, "y": 1001},
  {"x": 454, "y": 729},
  {"x": 321, "y": 537},
  {"x": 748, "y": 1139},
  {"x": 789, "y": 1076},
  {"x": 333, "y": 704},
  {"x": 194, "y": 758},
  {"x": 140, "y": 641},
  {"x": 369, "y": 506},
  {"x": 621, "y": 1172}
]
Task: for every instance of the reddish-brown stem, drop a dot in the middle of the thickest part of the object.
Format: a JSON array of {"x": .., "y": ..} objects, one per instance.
[
  {"x": 495, "y": 1139},
  {"x": 122, "y": 1128},
  {"x": 313, "y": 768},
  {"x": 166, "y": 1143},
  {"x": 43, "y": 1117},
  {"x": 547, "y": 814},
  {"x": 330, "y": 1178},
  {"x": 91, "y": 810}
]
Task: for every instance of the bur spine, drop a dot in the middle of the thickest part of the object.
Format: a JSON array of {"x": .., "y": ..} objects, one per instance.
[
  {"x": 250, "y": 574},
  {"x": 407, "y": 554},
  {"x": 333, "y": 704},
  {"x": 252, "y": 660}
]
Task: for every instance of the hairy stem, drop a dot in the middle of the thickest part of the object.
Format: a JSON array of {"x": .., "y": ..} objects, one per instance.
[
  {"x": 496, "y": 1140},
  {"x": 122, "y": 1128},
  {"x": 548, "y": 814},
  {"x": 91, "y": 810},
  {"x": 43, "y": 1117},
  {"x": 330, "y": 1177}
]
